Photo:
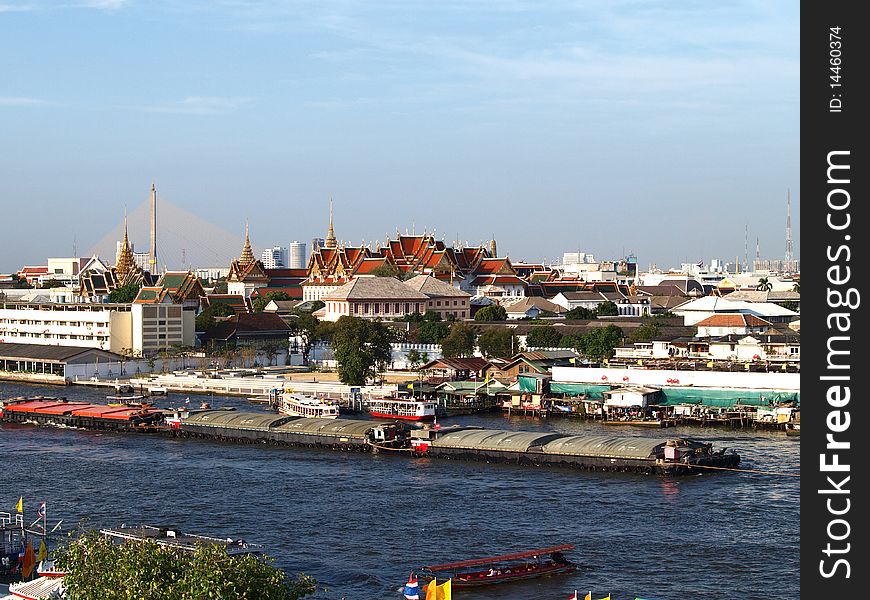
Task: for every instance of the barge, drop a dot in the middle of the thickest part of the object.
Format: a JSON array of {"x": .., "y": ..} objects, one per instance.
[
  {"x": 336, "y": 434},
  {"x": 595, "y": 453},
  {"x": 82, "y": 415}
]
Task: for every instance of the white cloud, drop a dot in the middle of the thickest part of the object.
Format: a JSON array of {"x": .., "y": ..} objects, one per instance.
[
  {"x": 20, "y": 101},
  {"x": 199, "y": 105}
]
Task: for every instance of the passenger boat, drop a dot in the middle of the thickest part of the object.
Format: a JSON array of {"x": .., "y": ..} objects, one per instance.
[
  {"x": 503, "y": 569},
  {"x": 157, "y": 390},
  {"x": 405, "y": 410},
  {"x": 300, "y": 405}
]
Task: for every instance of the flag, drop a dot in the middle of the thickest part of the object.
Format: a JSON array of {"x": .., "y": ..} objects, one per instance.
[
  {"x": 588, "y": 596},
  {"x": 20, "y": 505},
  {"x": 40, "y": 513},
  {"x": 439, "y": 592},
  {"x": 574, "y": 596},
  {"x": 28, "y": 563},
  {"x": 412, "y": 590},
  {"x": 607, "y": 597},
  {"x": 43, "y": 552},
  {"x": 410, "y": 386}
]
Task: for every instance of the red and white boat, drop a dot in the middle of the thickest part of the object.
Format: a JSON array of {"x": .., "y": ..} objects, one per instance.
[{"x": 405, "y": 410}]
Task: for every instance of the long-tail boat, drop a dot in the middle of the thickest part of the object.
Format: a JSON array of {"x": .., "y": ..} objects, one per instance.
[{"x": 503, "y": 569}]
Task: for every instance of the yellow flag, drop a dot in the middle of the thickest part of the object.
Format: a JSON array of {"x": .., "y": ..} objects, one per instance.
[
  {"x": 607, "y": 597},
  {"x": 432, "y": 589},
  {"x": 747, "y": 366},
  {"x": 710, "y": 365},
  {"x": 588, "y": 596},
  {"x": 410, "y": 386},
  {"x": 43, "y": 552},
  {"x": 20, "y": 505},
  {"x": 444, "y": 590}
]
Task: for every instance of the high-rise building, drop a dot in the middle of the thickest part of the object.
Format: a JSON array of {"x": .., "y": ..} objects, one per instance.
[
  {"x": 317, "y": 244},
  {"x": 297, "y": 259},
  {"x": 274, "y": 258}
]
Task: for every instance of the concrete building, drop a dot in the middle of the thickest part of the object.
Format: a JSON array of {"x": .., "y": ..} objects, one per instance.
[
  {"x": 373, "y": 298},
  {"x": 274, "y": 258},
  {"x": 118, "y": 328},
  {"x": 297, "y": 256},
  {"x": 443, "y": 298}
]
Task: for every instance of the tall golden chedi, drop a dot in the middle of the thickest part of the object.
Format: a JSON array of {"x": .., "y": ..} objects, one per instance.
[
  {"x": 330, "y": 241},
  {"x": 126, "y": 264},
  {"x": 247, "y": 256}
]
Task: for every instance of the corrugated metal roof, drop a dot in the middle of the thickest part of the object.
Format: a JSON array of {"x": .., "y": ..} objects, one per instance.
[
  {"x": 599, "y": 445},
  {"x": 489, "y": 439},
  {"x": 235, "y": 419},
  {"x": 13, "y": 351},
  {"x": 337, "y": 427}
]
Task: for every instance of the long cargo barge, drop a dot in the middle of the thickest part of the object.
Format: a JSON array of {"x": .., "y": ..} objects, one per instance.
[
  {"x": 83, "y": 415},
  {"x": 596, "y": 453}
]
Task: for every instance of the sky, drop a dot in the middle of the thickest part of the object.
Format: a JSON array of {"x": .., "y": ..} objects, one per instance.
[{"x": 658, "y": 128}]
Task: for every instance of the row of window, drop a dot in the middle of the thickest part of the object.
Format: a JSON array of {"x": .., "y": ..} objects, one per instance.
[
  {"x": 61, "y": 323},
  {"x": 54, "y": 336}
]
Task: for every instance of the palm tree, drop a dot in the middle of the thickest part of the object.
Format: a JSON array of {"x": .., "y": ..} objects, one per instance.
[{"x": 764, "y": 285}]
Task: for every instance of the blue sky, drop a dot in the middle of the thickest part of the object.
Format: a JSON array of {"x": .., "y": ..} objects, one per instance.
[{"x": 660, "y": 128}]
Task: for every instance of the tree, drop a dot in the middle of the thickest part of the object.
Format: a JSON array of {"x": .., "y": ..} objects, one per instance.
[
  {"x": 607, "y": 309},
  {"x": 414, "y": 358},
  {"x": 205, "y": 319},
  {"x": 500, "y": 342},
  {"x": 96, "y": 567},
  {"x": 459, "y": 341},
  {"x": 493, "y": 312},
  {"x": 52, "y": 283},
  {"x": 433, "y": 332},
  {"x": 387, "y": 270},
  {"x": 580, "y": 312},
  {"x": 20, "y": 282},
  {"x": 220, "y": 286},
  {"x": 361, "y": 347},
  {"x": 764, "y": 285},
  {"x": 261, "y": 302},
  {"x": 601, "y": 342},
  {"x": 796, "y": 287},
  {"x": 544, "y": 337},
  {"x": 645, "y": 333},
  {"x": 126, "y": 293}
]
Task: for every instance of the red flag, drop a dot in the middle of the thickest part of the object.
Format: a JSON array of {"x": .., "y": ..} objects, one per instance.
[{"x": 29, "y": 560}]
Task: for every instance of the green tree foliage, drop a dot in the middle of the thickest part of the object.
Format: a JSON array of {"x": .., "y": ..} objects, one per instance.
[
  {"x": 500, "y": 343},
  {"x": 607, "y": 309},
  {"x": 361, "y": 348},
  {"x": 126, "y": 293},
  {"x": 414, "y": 358},
  {"x": 98, "y": 568},
  {"x": 459, "y": 341},
  {"x": 220, "y": 286},
  {"x": 580, "y": 312},
  {"x": 796, "y": 287},
  {"x": 261, "y": 302},
  {"x": 308, "y": 328},
  {"x": 764, "y": 285},
  {"x": 546, "y": 336},
  {"x": 205, "y": 319},
  {"x": 387, "y": 270},
  {"x": 433, "y": 332},
  {"x": 601, "y": 341},
  {"x": 645, "y": 333},
  {"x": 52, "y": 283},
  {"x": 493, "y": 312}
]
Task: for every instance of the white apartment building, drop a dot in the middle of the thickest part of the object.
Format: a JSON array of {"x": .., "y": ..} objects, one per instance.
[
  {"x": 274, "y": 258},
  {"x": 297, "y": 256},
  {"x": 117, "y": 328}
]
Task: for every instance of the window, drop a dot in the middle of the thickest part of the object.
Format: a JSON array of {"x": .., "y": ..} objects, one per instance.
[
  {"x": 366, "y": 308},
  {"x": 376, "y": 307},
  {"x": 407, "y": 307},
  {"x": 356, "y": 309},
  {"x": 438, "y": 303},
  {"x": 396, "y": 308}
]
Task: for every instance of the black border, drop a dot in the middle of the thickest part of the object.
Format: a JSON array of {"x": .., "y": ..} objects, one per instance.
[{"x": 823, "y": 131}]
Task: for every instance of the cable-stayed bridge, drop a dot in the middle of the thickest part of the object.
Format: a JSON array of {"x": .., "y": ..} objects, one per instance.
[{"x": 184, "y": 240}]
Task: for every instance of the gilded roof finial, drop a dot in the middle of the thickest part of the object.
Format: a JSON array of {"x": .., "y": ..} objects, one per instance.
[
  {"x": 247, "y": 256},
  {"x": 330, "y": 241}
]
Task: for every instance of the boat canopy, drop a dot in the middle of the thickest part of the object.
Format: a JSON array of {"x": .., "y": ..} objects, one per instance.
[
  {"x": 339, "y": 427},
  {"x": 489, "y": 439},
  {"x": 238, "y": 420},
  {"x": 474, "y": 562},
  {"x": 606, "y": 446}
]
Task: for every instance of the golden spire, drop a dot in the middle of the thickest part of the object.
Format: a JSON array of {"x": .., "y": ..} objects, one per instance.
[
  {"x": 126, "y": 262},
  {"x": 247, "y": 254},
  {"x": 330, "y": 242}
]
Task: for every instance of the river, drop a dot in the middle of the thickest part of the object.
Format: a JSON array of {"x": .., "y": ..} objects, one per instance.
[{"x": 360, "y": 523}]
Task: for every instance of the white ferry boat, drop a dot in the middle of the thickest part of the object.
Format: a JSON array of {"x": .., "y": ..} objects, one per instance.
[
  {"x": 406, "y": 410},
  {"x": 299, "y": 405}
]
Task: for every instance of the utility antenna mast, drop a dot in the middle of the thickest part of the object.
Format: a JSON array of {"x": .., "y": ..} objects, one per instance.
[{"x": 789, "y": 250}]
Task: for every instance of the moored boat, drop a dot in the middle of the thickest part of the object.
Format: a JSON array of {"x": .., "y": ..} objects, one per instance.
[
  {"x": 505, "y": 568},
  {"x": 405, "y": 410},
  {"x": 300, "y": 405}
]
